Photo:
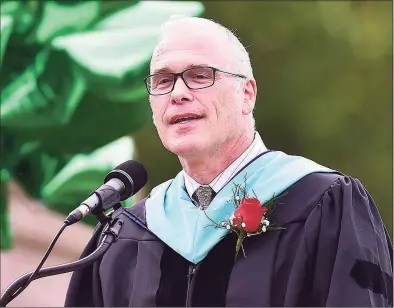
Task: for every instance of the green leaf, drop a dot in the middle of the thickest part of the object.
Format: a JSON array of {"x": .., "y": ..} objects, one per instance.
[
  {"x": 83, "y": 173},
  {"x": 41, "y": 96},
  {"x": 5, "y": 228},
  {"x": 6, "y": 23},
  {"x": 114, "y": 55}
]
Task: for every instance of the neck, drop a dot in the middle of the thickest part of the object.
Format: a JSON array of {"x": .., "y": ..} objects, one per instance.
[{"x": 204, "y": 168}]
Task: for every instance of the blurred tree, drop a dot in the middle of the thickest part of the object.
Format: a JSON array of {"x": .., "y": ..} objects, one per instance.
[{"x": 71, "y": 88}]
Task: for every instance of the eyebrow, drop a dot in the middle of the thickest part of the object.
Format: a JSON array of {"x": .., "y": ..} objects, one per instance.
[{"x": 167, "y": 69}]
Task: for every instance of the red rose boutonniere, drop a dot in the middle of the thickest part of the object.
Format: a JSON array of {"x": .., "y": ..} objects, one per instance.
[{"x": 250, "y": 216}]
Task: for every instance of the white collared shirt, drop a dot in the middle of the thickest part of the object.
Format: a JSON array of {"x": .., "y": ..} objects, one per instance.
[{"x": 256, "y": 148}]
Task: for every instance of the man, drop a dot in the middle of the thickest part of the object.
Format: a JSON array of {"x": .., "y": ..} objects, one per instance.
[{"x": 324, "y": 244}]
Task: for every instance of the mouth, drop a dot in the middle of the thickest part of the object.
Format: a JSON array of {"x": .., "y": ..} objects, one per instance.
[{"x": 184, "y": 118}]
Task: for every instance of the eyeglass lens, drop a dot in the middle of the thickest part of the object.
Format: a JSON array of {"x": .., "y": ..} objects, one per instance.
[{"x": 195, "y": 78}]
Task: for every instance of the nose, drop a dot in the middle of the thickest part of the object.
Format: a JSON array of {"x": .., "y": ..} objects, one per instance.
[{"x": 181, "y": 92}]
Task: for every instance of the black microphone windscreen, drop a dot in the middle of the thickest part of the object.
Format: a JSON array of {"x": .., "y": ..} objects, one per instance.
[{"x": 135, "y": 170}]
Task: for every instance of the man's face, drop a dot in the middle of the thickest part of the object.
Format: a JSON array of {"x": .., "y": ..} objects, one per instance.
[{"x": 217, "y": 111}]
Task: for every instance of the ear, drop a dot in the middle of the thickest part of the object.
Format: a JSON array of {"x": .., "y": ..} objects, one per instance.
[{"x": 250, "y": 94}]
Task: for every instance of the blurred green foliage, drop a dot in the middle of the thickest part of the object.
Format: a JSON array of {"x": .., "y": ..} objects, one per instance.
[
  {"x": 71, "y": 88},
  {"x": 324, "y": 76}
]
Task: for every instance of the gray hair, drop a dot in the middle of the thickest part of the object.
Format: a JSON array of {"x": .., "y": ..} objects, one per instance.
[{"x": 241, "y": 64}]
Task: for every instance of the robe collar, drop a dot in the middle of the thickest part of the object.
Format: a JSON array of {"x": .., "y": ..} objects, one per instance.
[{"x": 172, "y": 216}]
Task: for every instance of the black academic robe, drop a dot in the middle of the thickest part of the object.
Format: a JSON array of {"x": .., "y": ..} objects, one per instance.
[{"x": 335, "y": 251}]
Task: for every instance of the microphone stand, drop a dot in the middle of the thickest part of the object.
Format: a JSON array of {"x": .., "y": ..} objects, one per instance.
[{"x": 110, "y": 236}]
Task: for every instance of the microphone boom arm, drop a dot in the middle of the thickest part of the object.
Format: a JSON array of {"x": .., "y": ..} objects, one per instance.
[{"x": 110, "y": 236}]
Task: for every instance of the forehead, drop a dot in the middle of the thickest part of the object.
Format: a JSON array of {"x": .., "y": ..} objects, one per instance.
[{"x": 181, "y": 48}]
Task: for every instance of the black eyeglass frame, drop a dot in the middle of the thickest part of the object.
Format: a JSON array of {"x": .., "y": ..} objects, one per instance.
[{"x": 181, "y": 74}]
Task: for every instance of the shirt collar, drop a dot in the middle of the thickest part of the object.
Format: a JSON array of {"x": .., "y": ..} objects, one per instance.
[{"x": 256, "y": 148}]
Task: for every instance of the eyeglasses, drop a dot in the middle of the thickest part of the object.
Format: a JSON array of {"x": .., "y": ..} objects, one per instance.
[{"x": 194, "y": 78}]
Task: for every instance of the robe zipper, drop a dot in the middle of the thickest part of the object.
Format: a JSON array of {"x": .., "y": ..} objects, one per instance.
[{"x": 192, "y": 269}]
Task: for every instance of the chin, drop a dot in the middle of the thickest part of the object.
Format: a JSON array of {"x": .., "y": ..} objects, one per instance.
[{"x": 184, "y": 146}]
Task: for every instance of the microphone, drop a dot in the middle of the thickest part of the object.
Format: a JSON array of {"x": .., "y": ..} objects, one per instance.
[{"x": 119, "y": 184}]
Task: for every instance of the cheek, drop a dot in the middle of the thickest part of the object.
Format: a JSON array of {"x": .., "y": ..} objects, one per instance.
[
  {"x": 157, "y": 113},
  {"x": 228, "y": 107}
]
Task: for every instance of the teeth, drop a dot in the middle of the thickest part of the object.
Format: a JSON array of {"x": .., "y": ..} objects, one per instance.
[{"x": 185, "y": 119}]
